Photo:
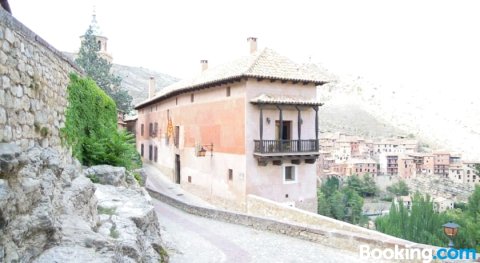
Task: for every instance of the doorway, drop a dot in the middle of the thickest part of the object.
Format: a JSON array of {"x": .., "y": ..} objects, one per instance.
[
  {"x": 177, "y": 168},
  {"x": 286, "y": 130}
]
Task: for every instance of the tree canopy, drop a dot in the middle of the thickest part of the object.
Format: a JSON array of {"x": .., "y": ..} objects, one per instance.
[
  {"x": 399, "y": 188},
  {"x": 99, "y": 69}
]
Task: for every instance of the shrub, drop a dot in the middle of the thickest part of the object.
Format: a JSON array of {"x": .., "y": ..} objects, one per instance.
[
  {"x": 91, "y": 127},
  {"x": 138, "y": 177}
]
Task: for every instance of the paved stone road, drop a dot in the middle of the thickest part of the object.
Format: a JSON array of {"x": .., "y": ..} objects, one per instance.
[{"x": 197, "y": 239}]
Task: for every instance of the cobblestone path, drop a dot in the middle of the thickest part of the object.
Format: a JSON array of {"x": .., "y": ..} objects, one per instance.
[{"x": 196, "y": 239}]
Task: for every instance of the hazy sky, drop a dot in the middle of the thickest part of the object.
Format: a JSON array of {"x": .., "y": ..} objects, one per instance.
[{"x": 432, "y": 45}]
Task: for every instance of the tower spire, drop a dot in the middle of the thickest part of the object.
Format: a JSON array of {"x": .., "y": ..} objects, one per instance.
[{"x": 94, "y": 24}]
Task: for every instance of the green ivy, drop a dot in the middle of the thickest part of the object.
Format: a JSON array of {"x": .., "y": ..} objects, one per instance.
[{"x": 91, "y": 127}]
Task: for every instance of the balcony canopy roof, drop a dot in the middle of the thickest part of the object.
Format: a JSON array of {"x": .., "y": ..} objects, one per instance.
[{"x": 284, "y": 100}]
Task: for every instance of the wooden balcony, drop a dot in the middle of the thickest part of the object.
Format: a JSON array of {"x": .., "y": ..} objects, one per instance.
[{"x": 279, "y": 150}]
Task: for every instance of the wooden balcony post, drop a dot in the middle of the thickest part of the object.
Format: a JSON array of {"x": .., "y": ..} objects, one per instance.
[
  {"x": 280, "y": 128},
  {"x": 299, "y": 126},
  {"x": 316, "y": 127},
  {"x": 261, "y": 130}
]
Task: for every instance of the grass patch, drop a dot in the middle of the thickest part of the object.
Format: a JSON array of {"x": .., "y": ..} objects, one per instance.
[
  {"x": 94, "y": 178},
  {"x": 106, "y": 210},
  {"x": 113, "y": 232},
  {"x": 138, "y": 177}
]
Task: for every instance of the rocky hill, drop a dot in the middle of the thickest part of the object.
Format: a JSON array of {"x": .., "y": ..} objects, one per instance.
[
  {"x": 135, "y": 80},
  {"x": 444, "y": 120}
]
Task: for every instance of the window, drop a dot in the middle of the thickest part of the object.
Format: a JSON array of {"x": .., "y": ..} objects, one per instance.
[
  {"x": 150, "y": 152},
  {"x": 192, "y": 98},
  {"x": 289, "y": 175},
  {"x": 230, "y": 174},
  {"x": 141, "y": 148},
  {"x": 141, "y": 130},
  {"x": 155, "y": 129},
  {"x": 177, "y": 136},
  {"x": 150, "y": 129},
  {"x": 155, "y": 153},
  {"x": 228, "y": 91}
]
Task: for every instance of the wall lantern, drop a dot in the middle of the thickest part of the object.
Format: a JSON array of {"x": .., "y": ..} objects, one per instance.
[
  {"x": 204, "y": 148},
  {"x": 450, "y": 229},
  {"x": 268, "y": 120}
]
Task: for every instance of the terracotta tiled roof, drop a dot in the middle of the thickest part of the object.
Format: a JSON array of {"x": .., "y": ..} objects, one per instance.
[
  {"x": 285, "y": 100},
  {"x": 265, "y": 63}
]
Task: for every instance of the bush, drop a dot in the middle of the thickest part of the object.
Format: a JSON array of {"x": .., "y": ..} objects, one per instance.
[{"x": 91, "y": 127}]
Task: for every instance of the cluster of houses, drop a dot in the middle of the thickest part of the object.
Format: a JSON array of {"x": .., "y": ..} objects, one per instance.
[{"x": 343, "y": 155}]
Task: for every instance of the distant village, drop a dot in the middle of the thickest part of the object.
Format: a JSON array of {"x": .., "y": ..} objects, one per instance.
[{"x": 345, "y": 155}]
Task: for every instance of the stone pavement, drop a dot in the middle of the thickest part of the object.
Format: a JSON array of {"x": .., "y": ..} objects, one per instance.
[
  {"x": 159, "y": 182},
  {"x": 191, "y": 238}
]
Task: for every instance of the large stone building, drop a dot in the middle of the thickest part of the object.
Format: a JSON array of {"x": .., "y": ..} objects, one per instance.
[{"x": 247, "y": 127}]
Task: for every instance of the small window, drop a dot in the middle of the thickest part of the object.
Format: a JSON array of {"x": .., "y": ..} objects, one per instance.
[
  {"x": 141, "y": 150},
  {"x": 230, "y": 174},
  {"x": 150, "y": 152},
  {"x": 155, "y": 154},
  {"x": 228, "y": 91},
  {"x": 155, "y": 129},
  {"x": 141, "y": 130},
  {"x": 177, "y": 136},
  {"x": 150, "y": 129},
  {"x": 192, "y": 97},
  {"x": 289, "y": 174}
]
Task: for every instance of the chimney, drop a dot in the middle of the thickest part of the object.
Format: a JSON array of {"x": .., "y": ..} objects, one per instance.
[
  {"x": 253, "y": 44},
  {"x": 204, "y": 64},
  {"x": 151, "y": 88}
]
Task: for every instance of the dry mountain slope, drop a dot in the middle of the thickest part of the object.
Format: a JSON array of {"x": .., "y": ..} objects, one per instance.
[
  {"x": 135, "y": 80},
  {"x": 443, "y": 120}
]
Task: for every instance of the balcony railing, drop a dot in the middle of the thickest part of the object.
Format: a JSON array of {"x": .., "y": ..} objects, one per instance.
[{"x": 285, "y": 146}]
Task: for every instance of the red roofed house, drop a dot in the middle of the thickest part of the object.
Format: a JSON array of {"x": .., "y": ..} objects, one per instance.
[{"x": 255, "y": 120}]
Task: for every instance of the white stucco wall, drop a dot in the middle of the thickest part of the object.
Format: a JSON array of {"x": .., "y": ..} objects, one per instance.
[{"x": 267, "y": 181}]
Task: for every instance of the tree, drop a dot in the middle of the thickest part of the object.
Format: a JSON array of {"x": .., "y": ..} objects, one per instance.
[
  {"x": 399, "y": 188},
  {"x": 338, "y": 205},
  {"x": 330, "y": 186},
  {"x": 355, "y": 183},
  {"x": 323, "y": 204},
  {"x": 369, "y": 186},
  {"x": 353, "y": 203},
  {"x": 99, "y": 69}
]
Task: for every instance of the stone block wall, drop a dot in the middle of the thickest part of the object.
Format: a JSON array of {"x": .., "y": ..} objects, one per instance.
[{"x": 33, "y": 80}]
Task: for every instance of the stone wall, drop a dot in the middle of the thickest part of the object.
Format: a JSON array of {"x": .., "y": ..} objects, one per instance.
[{"x": 33, "y": 80}]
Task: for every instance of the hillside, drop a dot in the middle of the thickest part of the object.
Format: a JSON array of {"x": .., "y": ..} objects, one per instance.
[
  {"x": 135, "y": 80},
  {"x": 444, "y": 120}
]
